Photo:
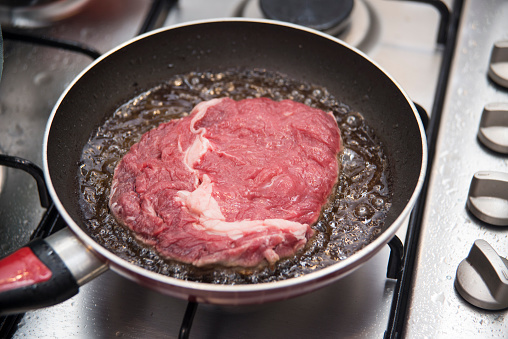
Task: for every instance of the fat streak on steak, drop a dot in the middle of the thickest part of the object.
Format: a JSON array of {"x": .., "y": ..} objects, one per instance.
[{"x": 233, "y": 183}]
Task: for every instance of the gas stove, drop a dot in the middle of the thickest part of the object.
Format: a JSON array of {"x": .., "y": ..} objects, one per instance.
[{"x": 440, "y": 54}]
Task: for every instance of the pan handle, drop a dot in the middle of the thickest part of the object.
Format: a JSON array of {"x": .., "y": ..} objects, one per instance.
[{"x": 46, "y": 272}]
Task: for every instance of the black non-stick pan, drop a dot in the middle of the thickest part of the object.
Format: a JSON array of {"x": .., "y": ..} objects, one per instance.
[{"x": 219, "y": 45}]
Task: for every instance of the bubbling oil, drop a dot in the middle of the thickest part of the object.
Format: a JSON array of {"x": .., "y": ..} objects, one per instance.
[{"x": 353, "y": 217}]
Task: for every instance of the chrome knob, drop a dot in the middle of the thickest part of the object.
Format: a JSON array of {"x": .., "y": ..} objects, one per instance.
[
  {"x": 488, "y": 197},
  {"x": 498, "y": 68},
  {"x": 482, "y": 278},
  {"x": 493, "y": 131}
]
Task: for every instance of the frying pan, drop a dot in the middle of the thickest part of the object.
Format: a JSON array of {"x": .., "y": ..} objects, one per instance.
[{"x": 54, "y": 268}]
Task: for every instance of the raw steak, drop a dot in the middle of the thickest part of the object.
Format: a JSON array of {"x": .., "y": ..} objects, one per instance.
[{"x": 233, "y": 183}]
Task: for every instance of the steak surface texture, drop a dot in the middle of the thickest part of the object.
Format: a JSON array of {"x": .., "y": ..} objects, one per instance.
[{"x": 233, "y": 183}]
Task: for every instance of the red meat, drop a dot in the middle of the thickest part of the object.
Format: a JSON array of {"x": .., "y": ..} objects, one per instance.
[{"x": 233, "y": 183}]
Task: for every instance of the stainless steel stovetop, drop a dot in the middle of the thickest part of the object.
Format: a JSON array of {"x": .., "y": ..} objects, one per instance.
[{"x": 401, "y": 37}]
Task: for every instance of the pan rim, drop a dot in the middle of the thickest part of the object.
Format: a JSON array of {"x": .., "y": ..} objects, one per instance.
[{"x": 328, "y": 274}]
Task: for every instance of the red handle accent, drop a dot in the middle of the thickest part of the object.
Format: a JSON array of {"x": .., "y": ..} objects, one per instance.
[{"x": 22, "y": 268}]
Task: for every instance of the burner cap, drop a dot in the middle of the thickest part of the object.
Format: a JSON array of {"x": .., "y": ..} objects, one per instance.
[
  {"x": 37, "y": 13},
  {"x": 318, "y": 14}
]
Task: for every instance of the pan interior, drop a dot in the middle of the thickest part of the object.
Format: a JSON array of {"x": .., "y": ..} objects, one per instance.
[
  {"x": 220, "y": 46},
  {"x": 352, "y": 219}
]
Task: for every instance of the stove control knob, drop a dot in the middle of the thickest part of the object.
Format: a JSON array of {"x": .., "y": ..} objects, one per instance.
[
  {"x": 482, "y": 278},
  {"x": 488, "y": 197},
  {"x": 493, "y": 131},
  {"x": 498, "y": 68}
]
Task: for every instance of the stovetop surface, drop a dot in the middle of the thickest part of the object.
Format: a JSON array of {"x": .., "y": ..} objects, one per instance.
[
  {"x": 357, "y": 306},
  {"x": 448, "y": 228}
]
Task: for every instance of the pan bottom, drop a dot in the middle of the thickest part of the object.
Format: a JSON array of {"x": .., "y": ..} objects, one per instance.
[{"x": 352, "y": 219}]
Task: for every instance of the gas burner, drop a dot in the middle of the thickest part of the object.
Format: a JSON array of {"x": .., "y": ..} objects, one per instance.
[
  {"x": 323, "y": 15},
  {"x": 351, "y": 21},
  {"x": 37, "y": 13}
]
